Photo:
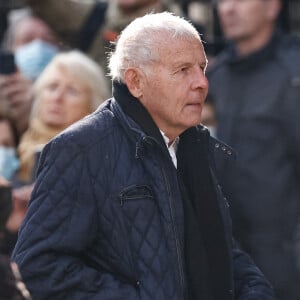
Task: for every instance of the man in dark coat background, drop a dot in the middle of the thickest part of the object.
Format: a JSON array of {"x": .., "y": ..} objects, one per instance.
[{"x": 255, "y": 85}]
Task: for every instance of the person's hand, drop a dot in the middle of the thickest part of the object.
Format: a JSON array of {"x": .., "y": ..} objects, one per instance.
[
  {"x": 3, "y": 181},
  {"x": 16, "y": 92},
  {"x": 21, "y": 198}
]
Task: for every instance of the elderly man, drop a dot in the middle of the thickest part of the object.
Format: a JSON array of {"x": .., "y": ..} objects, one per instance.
[{"x": 127, "y": 204}]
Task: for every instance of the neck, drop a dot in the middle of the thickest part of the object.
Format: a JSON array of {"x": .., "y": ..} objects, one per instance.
[{"x": 248, "y": 45}]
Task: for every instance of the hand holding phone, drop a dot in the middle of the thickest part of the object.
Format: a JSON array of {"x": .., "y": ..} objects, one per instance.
[{"x": 7, "y": 63}]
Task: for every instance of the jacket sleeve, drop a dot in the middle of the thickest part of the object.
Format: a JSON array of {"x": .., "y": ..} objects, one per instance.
[
  {"x": 65, "y": 17},
  {"x": 60, "y": 225},
  {"x": 250, "y": 283}
]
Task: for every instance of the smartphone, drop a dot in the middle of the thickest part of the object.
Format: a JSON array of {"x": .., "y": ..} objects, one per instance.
[{"x": 7, "y": 63}]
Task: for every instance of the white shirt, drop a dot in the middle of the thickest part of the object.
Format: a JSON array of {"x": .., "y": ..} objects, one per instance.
[{"x": 172, "y": 148}]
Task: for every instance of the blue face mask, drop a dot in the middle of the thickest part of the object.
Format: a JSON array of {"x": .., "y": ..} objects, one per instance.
[
  {"x": 32, "y": 58},
  {"x": 9, "y": 163}
]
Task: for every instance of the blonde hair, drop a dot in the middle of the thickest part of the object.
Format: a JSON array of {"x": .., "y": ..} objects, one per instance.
[
  {"x": 89, "y": 73},
  {"x": 82, "y": 67}
]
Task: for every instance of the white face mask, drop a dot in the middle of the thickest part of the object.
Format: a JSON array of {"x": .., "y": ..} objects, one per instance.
[
  {"x": 9, "y": 162},
  {"x": 32, "y": 58}
]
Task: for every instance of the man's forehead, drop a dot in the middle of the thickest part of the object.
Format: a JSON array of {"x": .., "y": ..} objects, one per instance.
[{"x": 180, "y": 50}]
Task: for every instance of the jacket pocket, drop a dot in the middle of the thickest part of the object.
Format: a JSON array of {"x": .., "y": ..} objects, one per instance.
[{"x": 135, "y": 193}]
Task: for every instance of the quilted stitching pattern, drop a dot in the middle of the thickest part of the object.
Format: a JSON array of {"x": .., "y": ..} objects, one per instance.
[{"x": 129, "y": 239}]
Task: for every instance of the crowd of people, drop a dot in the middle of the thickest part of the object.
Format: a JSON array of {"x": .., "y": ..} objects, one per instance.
[{"x": 208, "y": 211}]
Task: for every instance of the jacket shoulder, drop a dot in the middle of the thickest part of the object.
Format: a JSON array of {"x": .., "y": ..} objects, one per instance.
[
  {"x": 219, "y": 62},
  {"x": 86, "y": 133},
  {"x": 221, "y": 154},
  {"x": 288, "y": 54},
  {"x": 219, "y": 148}
]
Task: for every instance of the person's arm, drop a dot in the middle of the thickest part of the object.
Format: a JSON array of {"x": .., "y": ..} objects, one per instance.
[
  {"x": 65, "y": 17},
  {"x": 16, "y": 93},
  {"x": 60, "y": 227},
  {"x": 250, "y": 283}
]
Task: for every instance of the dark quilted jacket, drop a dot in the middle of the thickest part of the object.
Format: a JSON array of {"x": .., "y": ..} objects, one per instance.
[{"x": 106, "y": 221}]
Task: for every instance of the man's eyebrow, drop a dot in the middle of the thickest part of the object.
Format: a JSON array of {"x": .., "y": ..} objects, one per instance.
[{"x": 181, "y": 63}]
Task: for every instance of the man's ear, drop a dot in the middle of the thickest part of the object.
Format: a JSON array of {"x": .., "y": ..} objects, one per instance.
[{"x": 133, "y": 80}]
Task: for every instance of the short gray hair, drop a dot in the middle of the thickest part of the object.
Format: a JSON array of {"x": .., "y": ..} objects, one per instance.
[{"x": 136, "y": 45}]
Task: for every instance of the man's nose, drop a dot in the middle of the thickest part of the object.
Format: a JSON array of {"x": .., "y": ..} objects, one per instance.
[{"x": 200, "y": 80}]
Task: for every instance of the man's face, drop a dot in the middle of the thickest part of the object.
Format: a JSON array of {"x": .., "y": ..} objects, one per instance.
[
  {"x": 175, "y": 88},
  {"x": 243, "y": 19}
]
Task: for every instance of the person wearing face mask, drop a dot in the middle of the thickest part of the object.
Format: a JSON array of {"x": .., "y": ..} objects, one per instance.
[
  {"x": 33, "y": 44},
  {"x": 70, "y": 87},
  {"x": 92, "y": 26},
  {"x": 9, "y": 164}
]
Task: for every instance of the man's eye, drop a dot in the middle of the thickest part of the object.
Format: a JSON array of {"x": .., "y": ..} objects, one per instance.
[{"x": 183, "y": 69}]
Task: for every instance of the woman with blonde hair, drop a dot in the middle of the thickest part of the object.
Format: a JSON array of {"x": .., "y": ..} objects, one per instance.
[{"x": 71, "y": 87}]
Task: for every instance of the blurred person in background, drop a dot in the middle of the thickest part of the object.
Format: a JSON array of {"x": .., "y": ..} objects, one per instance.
[
  {"x": 8, "y": 144},
  {"x": 33, "y": 45},
  {"x": 71, "y": 87},
  {"x": 9, "y": 164},
  {"x": 255, "y": 85},
  {"x": 11, "y": 284},
  {"x": 92, "y": 26}
]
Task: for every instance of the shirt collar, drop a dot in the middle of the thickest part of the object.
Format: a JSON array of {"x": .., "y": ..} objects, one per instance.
[{"x": 171, "y": 147}]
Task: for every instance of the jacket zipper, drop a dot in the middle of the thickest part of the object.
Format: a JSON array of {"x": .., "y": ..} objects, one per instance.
[
  {"x": 175, "y": 230},
  {"x": 150, "y": 140}
]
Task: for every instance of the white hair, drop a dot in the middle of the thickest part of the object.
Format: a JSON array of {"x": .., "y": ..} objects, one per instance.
[{"x": 137, "y": 44}]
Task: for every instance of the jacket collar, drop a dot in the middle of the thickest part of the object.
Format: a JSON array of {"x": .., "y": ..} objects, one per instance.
[
  {"x": 132, "y": 107},
  {"x": 254, "y": 59}
]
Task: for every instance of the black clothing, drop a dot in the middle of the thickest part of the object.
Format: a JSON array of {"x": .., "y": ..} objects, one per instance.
[
  {"x": 106, "y": 218},
  {"x": 257, "y": 101}
]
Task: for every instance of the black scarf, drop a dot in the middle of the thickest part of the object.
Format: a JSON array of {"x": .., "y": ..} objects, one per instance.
[
  {"x": 206, "y": 249},
  {"x": 206, "y": 253}
]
